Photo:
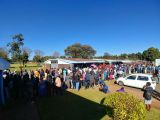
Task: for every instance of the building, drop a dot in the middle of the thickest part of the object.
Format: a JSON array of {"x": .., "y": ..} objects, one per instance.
[
  {"x": 78, "y": 62},
  {"x": 157, "y": 62},
  {"x": 71, "y": 62}
]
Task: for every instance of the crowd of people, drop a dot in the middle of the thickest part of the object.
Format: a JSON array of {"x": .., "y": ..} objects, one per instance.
[{"x": 29, "y": 84}]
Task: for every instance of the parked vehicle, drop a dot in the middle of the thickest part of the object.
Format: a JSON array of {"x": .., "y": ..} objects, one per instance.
[{"x": 137, "y": 80}]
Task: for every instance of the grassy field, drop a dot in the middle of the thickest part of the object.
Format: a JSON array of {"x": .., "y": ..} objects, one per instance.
[
  {"x": 28, "y": 66},
  {"x": 79, "y": 105}
]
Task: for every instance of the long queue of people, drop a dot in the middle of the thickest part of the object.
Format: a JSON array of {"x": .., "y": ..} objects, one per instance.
[{"x": 29, "y": 84}]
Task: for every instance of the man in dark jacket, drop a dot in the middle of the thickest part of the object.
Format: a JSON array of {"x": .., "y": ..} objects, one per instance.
[{"x": 148, "y": 90}]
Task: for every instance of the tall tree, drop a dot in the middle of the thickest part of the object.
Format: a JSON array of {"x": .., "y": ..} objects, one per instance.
[
  {"x": 3, "y": 53},
  {"x": 87, "y": 51},
  {"x": 15, "y": 47},
  {"x": 151, "y": 54},
  {"x": 25, "y": 57},
  {"x": 80, "y": 51}
]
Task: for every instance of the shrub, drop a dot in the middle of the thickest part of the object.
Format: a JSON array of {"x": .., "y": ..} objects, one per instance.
[{"x": 126, "y": 107}]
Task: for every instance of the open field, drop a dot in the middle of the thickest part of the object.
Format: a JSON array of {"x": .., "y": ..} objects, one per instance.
[{"x": 85, "y": 104}]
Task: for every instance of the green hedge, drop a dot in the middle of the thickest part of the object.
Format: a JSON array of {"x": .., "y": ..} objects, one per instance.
[{"x": 125, "y": 107}]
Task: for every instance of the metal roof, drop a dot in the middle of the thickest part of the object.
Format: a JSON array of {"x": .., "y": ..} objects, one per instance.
[{"x": 75, "y": 61}]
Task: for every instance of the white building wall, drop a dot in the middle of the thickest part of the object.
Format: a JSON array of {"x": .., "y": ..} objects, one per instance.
[
  {"x": 62, "y": 62},
  {"x": 157, "y": 62}
]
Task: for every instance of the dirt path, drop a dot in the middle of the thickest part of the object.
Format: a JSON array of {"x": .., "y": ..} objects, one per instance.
[
  {"x": 158, "y": 88},
  {"x": 134, "y": 91}
]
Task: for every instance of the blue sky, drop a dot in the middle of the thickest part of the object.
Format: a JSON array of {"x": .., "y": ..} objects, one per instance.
[{"x": 114, "y": 26}]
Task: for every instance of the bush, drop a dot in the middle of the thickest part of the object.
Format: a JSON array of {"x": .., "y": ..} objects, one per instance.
[{"x": 125, "y": 107}]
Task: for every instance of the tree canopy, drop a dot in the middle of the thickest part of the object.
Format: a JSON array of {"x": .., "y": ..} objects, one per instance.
[
  {"x": 151, "y": 54},
  {"x": 80, "y": 51},
  {"x": 15, "y": 47}
]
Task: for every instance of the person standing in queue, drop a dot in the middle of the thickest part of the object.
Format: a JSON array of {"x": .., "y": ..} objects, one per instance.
[{"x": 58, "y": 85}]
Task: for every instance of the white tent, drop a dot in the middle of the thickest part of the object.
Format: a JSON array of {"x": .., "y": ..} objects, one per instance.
[{"x": 4, "y": 64}]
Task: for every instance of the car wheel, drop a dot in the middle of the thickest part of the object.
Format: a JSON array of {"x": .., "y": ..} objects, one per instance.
[{"x": 120, "y": 83}]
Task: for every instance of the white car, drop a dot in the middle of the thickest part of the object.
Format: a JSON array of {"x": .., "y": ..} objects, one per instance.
[{"x": 136, "y": 80}]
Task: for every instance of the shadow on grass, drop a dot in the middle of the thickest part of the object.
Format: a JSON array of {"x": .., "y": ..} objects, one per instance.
[
  {"x": 71, "y": 107},
  {"x": 109, "y": 110},
  {"x": 19, "y": 110}
]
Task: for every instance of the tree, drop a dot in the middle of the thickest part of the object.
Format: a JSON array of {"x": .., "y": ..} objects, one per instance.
[
  {"x": 124, "y": 56},
  {"x": 38, "y": 57},
  {"x": 47, "y": 57},
  {"x": 80, "y": 51},
  {"x": 15, "y": 47},
  {"x": 87, "y": 51},
  {"x": 139, "y": 56},
  {"x": 56, "y": 54},
  {"x": 27, "y": 50},
  {"x": 25, "y": 55},
  {"x": 3, "y": 53},
  {"x": 151, "y": 54}
]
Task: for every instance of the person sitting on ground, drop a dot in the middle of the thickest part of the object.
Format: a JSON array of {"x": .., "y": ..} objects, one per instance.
[{"x": 104, "y": 88}]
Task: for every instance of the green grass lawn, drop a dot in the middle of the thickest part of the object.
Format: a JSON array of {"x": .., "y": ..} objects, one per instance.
[
  {"x": 153, "y": 115},
  {"x": 79, "y": 105}
]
